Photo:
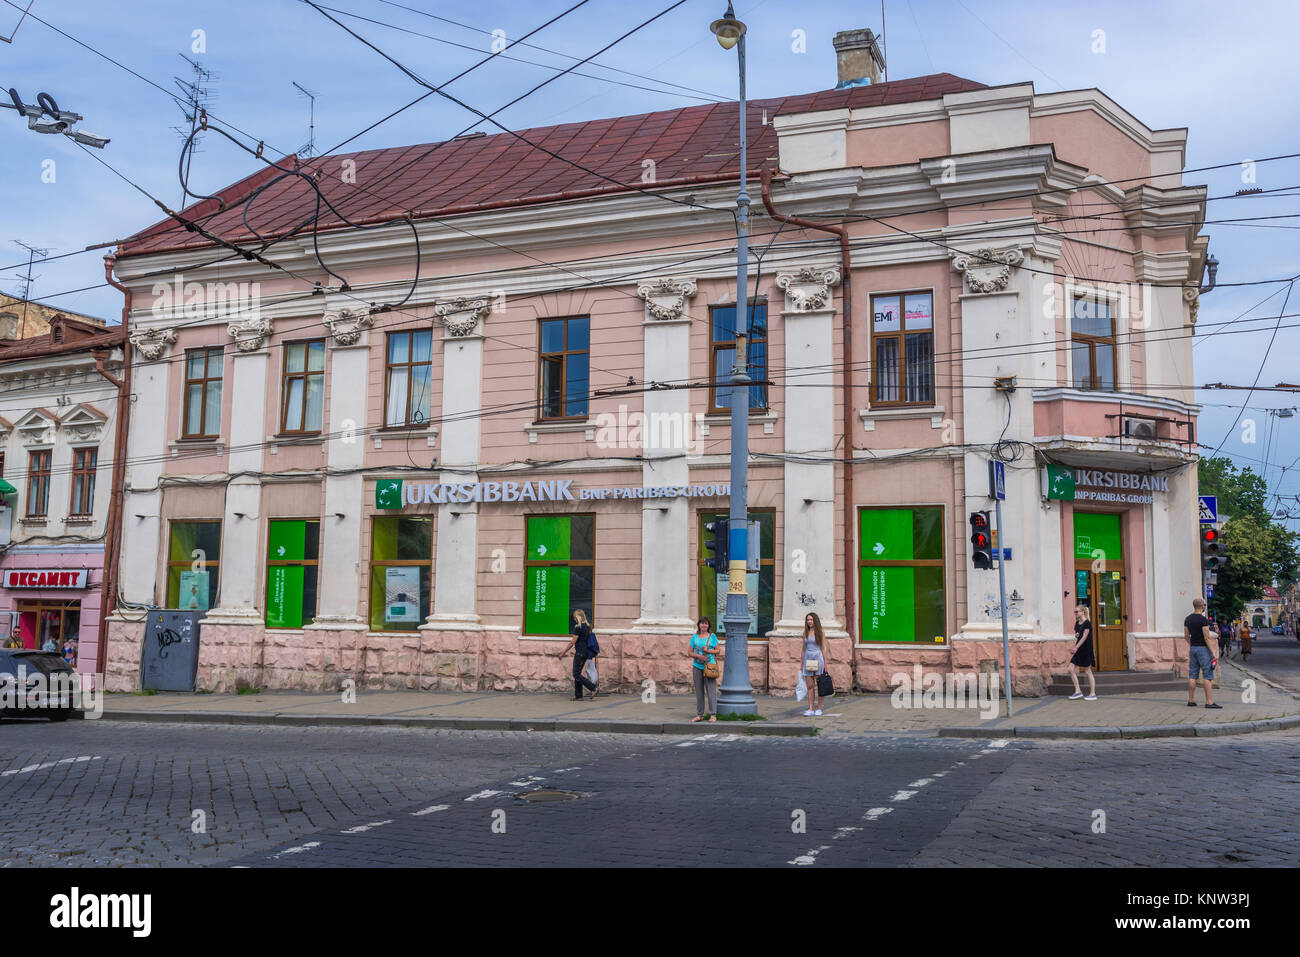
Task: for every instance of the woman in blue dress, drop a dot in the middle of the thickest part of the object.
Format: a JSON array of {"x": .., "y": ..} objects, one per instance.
[{"x": 813, "y": 661}]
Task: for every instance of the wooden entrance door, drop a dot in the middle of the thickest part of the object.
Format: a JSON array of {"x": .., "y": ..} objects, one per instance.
[{"x": 1105, "y": 595}]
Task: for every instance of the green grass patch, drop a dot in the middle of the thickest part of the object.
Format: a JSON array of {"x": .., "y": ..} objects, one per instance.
[
  {"x": 741, "y": 717},
  {"x": 248, "y": 691}
]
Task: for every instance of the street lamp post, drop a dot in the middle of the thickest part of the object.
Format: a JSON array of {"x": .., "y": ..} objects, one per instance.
[{"x": 737, "y": 697}]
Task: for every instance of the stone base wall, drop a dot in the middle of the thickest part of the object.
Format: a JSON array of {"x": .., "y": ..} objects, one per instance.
[{"x": 235, "y": 656}]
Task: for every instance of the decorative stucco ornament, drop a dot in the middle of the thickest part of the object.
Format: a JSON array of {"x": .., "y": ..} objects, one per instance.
[
  {"x": 346, "y": 325},
  {"x": 809, "y": 287},
  {"x": 461, "y": 316},
  {"x": 1193, "y": 299},
  {"x": 153, "y": 343},
  {"x": 250, "y": 334},
  {"x": 665, "y": 297},
  {"x": 987, "y": 270}
]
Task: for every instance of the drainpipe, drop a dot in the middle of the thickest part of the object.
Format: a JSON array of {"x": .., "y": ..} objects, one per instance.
[
  {"x": 1212, "y": 267},
  {"x": 113, "y": 543},
  {"x": 765, "y": 175}
]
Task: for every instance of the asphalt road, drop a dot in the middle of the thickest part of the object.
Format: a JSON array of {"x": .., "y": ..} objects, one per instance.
[
  {"x": 145, "y": 794},
  {"x": 1277, "y": 657}
]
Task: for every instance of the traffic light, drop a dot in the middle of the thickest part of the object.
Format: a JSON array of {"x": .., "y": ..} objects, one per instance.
[
  {"x": 981, "y": 540},
  {"x": 1211, "y": 557},
  {"x": 717, "y": 545}
]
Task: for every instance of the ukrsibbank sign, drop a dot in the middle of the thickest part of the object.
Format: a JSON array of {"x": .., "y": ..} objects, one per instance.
[
  {"x": 1067, "y": 484},
  {"x": 398, "y": 493}
]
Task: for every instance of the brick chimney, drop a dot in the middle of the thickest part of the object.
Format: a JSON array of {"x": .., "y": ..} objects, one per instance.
[
  {"x": 8, "y": 325},
  {"x": 858, "y": 59}
]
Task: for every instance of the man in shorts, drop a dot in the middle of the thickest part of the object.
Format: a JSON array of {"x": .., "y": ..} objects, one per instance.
[{"x": 1200, "y": 663}]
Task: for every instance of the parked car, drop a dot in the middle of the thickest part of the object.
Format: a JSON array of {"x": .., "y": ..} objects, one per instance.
[
  {"x": 46, "y": 685},
  {"x": 1277, "y": 629}
]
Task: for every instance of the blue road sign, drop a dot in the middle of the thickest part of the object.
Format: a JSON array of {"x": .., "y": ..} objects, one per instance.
[
  {"x": 997, "y": 480},
  {"x": 1209, "y": 591},
  {"x": 1209, "y": 508}
]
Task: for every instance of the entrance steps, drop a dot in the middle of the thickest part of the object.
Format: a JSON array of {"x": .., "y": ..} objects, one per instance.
[{"x": 1120, "y": 682}]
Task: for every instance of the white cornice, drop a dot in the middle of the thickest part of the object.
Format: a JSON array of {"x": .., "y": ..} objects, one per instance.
[{"x": 1074, "y": 101}]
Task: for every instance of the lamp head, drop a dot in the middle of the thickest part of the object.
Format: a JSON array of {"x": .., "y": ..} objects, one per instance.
[{"x": 728, "y": 30}]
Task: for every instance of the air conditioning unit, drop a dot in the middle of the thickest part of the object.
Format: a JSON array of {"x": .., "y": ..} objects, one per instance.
[{"x": 1140, "y": 429}]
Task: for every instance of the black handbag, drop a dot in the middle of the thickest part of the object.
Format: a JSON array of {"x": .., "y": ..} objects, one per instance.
[{"x": 825, "y": 687}]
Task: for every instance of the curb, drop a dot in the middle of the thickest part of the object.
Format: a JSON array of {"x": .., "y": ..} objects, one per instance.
[
  {"x": 465, "y": 724},
  {"x": 1138, "y": 731}
]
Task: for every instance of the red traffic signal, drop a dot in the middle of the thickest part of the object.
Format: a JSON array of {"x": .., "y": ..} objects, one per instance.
[
  {"x": 1210, "y": 535},
  {"x": 980, "y": 540}
]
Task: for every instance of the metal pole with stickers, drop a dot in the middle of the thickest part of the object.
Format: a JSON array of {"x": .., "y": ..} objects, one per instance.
[{"x": 998, "y": 492}]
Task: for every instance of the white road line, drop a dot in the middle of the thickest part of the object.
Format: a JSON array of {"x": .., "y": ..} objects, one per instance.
[
  {"x": 531, "y": 779},
  {"x": 902, "y": 795},
  {"x": 938, "y": 774},
  {"x": 810, "y": 858},
  {"x": 300, "y": 848},
  {"x": 921, "y": 782},
  {"x": 696, "y": 740},
  {"x": 51, "y": 764},
  {"x": 482, "y": 794},
  {"x": 362, "y": 828},
  {"x": 877, "y": 812},
  {"x": 565, "y": 770},
  {"x": 430, "y": 810},
  {"x": 999, "y": 743},
  {"x": 844, "y": 832}
]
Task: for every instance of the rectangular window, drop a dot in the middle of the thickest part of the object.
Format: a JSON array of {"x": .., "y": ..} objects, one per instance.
[
  {"x": 38, "y": 484},
  {"x": 401, "y": 564},
  {"x": 292, "y": 550},
  {"x": 559, "y": 572},
  {"x": 302, "y": 401},
  {"x": 722, "y": 356},
  {"x": 408, "y": 378},
  {"x": 760, "y": 585},
  {"x": 203, "y": 393},
  {"x": 84, "y": 463},
  {"x": 1092, "y": 346},
  {"x": 901, "y": 574},
  {"x": 564, "y": 350},
  {"x": 193, "y": 565},
  {"x": 902, "y": 333}
]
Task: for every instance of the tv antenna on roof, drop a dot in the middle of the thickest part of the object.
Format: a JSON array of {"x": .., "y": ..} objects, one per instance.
[
  {"x": 10, "y": 38},
  {"x": 308, "y": 148},
  {"x": 198, "y": 95},
  {"x": 32, "y": 253}
]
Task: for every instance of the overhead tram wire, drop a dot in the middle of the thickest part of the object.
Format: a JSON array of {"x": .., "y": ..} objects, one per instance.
[
  {"x": 567, "y": 56},
  {"x": 123, "y": 66},
  {"x": 694, "y": 94},
  {"x": 1262, "y": 363}
]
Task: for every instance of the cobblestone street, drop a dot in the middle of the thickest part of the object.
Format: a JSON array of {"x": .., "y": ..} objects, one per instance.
[{"x": 131, "y": 794}]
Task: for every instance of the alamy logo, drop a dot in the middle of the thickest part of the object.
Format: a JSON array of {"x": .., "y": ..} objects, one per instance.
[
  {"x": 74, "y": 910},
  {"x": 934, "y": 690}
]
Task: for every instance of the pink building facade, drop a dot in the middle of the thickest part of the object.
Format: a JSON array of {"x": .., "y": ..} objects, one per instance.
[
  {"x": 58, "y": 425},
  {"x": 414, "y": 481}
]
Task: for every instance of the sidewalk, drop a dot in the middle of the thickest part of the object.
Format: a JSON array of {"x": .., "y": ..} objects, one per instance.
[{"x": 1157, "y": 714}]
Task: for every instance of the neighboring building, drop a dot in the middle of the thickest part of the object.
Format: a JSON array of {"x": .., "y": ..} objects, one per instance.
[
  {"x": 20, "y": 319},
  {"x": 416, "y": 486},
  {"x": 1266, "y": 611},
  {"x": 58, "y": 421}
]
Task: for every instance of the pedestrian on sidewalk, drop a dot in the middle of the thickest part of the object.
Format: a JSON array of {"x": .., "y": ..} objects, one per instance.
[
  {"x": 1243, "y": 639},
  {"x": 1200, "y": 662},
  {"x": 704, "y": 670},
  {"x": 581, "y": 648},
  {"x": 813, "y": 662},
  {"x": 1081, "y": 655}
]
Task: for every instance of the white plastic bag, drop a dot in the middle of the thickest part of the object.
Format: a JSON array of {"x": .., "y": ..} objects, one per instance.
[
  {"x": 591, "y": 670},
  {"x": 801, "y": 688}
]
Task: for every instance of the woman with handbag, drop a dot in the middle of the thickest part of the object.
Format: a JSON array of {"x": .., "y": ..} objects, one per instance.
[
  {"x": 814, "y": 663},
  {"x": 706, "y": 671},
  {"x": 581, "y": 648}
]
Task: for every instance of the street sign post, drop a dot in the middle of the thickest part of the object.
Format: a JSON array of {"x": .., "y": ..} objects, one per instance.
[{"x": 998, "y": 492}]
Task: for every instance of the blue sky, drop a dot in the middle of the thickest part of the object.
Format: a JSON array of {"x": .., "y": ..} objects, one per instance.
[{"x": 1229, "y": 78}]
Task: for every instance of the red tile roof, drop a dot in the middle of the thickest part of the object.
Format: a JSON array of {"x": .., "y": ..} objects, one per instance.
[{"x": 696, "y": 144}]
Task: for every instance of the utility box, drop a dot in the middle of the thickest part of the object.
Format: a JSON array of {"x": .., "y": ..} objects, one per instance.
[{"x": 169, "y": 656}]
